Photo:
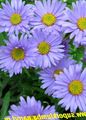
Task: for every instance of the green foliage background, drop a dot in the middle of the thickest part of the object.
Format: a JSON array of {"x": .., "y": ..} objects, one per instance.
[{"x": 28, "y": 83}]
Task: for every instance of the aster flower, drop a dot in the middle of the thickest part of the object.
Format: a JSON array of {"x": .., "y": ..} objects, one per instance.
[
  {"x": 76, "y": 22},
  {"x": 47, "y": 48},
  {"x": 47, "y": 15},
  {"x": 48, "y": 76},
  {"x": 16, "y": 55},
  {"x": 15, "y": 17},
  {"x": 70, "y": 87},
  {"x": 30, "y": 107}
]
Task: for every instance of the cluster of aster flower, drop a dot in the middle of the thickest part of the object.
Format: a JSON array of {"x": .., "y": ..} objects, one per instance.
[{"x": 36, "y": 39}]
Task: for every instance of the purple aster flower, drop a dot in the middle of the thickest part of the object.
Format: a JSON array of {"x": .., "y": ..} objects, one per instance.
[
  {"x": 47, "y": 48},
  {"x": 16, "y": 55},
  {"x": 76, "y": 22},
  {"x": 47, "y": 15},
  {"x": 70, "y": 87},
  {"x": 48, "y": 76},
  {"x": 15, "y": 17},
  {"x": 30, "y": 107}
]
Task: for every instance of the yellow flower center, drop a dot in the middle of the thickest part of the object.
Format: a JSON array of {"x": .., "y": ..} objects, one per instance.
[
  {"x": 81, "y": 23},
  {"x": 48, "y": 19},
  {"x": 17, "y": 54},
  {"x": 76, "y": 87},
  {"x": 15, "y": 19},
  {"x": 58, "y": 72},
  {"x": 44, "y": 48}
]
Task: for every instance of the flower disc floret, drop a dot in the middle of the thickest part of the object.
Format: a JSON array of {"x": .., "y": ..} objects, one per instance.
[
  {"x": 16, "y": 19},
  {"x": 49, "y": 19},
  {"x": 44, "y": 47},
  {"x": 81, "y": 23},
  {"x": 58, "y": 71},
  {"x": 18, "y": 54},
  {"x": 76, "y": 87}
]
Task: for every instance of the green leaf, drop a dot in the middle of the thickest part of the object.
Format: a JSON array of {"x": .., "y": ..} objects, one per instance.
[
  {"x": 3, "y": 36},
  {"x": 5, "y": 105},
  {"x": 81, "y": 118},
  {"x": 76, "y": 53}
]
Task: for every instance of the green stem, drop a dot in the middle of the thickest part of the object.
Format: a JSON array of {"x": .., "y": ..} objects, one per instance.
[{"x": 27, "y": 72}]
